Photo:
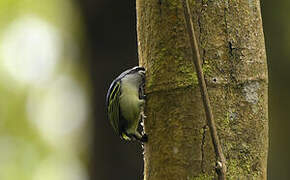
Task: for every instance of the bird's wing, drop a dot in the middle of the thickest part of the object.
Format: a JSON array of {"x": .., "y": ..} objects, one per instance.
[{"x": 114, "y": 106}]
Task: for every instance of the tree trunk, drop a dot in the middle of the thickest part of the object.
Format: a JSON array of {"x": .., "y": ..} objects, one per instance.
[{"x": 232, "y": 48}]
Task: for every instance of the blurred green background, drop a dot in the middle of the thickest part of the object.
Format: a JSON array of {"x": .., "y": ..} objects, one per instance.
[{"x": 57, "y": 59}]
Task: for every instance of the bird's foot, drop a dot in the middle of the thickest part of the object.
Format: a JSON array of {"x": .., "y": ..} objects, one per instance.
[{"x": 144, "y": 138}]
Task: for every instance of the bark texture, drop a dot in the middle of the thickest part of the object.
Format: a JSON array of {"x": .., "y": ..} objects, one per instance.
[{"x": 232, "y": 48}]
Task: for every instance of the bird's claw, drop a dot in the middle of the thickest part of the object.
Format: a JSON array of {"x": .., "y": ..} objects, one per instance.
[{"x": 144, "y": 138}]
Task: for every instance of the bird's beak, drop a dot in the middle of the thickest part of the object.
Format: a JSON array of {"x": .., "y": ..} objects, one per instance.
[{"x": 142, "y": 73}]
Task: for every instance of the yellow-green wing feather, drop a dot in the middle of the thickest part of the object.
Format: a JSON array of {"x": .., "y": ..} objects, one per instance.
[{"x": 114, "y": 107}]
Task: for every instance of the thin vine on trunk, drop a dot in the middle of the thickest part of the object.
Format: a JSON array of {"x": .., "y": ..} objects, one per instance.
[{"x": 220, "y": 159}]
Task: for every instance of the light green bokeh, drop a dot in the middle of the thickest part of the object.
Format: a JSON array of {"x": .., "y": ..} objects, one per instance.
[{"x": 44, "y": 104}]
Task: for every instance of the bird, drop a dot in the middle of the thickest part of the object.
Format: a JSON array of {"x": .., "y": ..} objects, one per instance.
[{"x": 125, "y": 101}]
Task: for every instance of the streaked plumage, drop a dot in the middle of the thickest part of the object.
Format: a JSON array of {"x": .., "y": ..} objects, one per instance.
[{"x": 124, "y": 103}]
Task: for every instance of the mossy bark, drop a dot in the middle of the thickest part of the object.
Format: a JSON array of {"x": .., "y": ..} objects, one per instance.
[{"x": 232, "y": 48}]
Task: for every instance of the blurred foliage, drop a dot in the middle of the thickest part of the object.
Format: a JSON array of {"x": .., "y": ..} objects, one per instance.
[
  {"x": 277, "y": 35},
  {"x": 44, "y": 92}
]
